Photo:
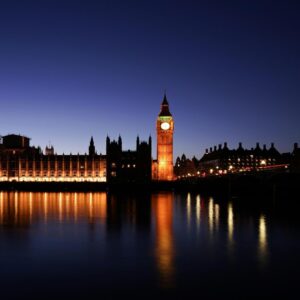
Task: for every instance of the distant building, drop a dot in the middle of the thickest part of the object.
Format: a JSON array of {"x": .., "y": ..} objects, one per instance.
[
  {"x": 295, "y": 159},
  {"x": 223, "y": 160},
  {"x": 185, "y": 167},
  {"x": 128, "y": 166}
]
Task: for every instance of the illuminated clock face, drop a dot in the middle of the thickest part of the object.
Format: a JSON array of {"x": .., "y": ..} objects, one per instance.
[{"x": 164, "y": 126}]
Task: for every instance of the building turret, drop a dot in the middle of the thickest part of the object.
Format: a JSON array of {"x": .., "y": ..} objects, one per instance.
[
  {"x": 92, "y": 149},
  {"x": 295, "y": 146},
  {"x": 107, "y": 143},
  {"x": 120, "y": 142},
  {"x": 49, "y": 150}
]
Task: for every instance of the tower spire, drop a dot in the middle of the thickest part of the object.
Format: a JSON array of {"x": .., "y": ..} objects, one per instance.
[
  {"x": 92, "y": 150},
  {"x": 164, "y": 108}
]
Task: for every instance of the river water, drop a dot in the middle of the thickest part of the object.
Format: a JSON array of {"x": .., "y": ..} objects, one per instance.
[{"x": 95, "y": 245}]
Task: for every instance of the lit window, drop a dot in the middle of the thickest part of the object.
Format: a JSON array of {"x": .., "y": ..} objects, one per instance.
[{"x": 263, "y": 162}]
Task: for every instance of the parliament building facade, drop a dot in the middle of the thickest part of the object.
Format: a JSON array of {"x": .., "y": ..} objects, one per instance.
[{"x": 21, "y": 162}]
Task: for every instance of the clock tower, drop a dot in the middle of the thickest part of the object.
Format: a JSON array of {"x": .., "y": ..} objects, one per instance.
[{"x": 164, "y": 131}]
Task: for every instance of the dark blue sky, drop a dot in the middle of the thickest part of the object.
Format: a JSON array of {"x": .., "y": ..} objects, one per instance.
[{"x": 72, "y": 69}]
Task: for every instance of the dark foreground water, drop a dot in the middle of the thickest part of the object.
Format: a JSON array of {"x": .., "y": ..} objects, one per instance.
[{"x": 161, "y": 245}]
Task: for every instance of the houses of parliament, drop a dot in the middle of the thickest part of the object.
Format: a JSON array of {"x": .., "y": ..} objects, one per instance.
[{"x": 21, "y": 162}]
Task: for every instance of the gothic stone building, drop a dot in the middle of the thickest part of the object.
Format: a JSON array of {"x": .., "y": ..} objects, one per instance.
[
  {"x": 21, "y": 162},
  {"x": 128, "y": 166}
]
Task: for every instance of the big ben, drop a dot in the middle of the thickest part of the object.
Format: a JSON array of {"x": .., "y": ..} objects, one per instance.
[{"x": 164, "y": 130}]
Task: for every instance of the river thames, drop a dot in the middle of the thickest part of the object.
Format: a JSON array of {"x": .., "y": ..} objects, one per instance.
[{"x": 155, "y": 245}]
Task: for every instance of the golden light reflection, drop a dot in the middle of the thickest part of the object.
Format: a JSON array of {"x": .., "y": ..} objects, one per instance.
[
  {"x": 75, "y": 204},
  {"x": 230, "y": 229},
  {"x": 217, "y": 215},
  {"x": 162, "y": 204},
  {"x": 230, "y": 223},
  {"x": 30, "y": 206},
  {"x": 1, "y": 207},
  {"x": 211, "y": 214},
  {"x": 262, "y": 239},
  {"x": 45, "y": 204},
  {"x": 60, "y": 207},
  {"x": 91, "y": 208},
  {"x": 198, "y": 210},
  {"x": 23, "y": 208},
  {"x": 16, "y": 204},
  {"x": 188, "y": 209}
]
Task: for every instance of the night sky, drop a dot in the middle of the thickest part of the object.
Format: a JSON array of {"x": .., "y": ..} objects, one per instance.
[{"x": 73, "y": 69}]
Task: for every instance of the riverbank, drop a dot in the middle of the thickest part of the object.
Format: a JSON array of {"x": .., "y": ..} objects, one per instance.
[{"x": 234, "y": 185}]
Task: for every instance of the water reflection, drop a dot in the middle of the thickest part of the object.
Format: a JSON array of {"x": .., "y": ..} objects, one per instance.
[
  {"x": 262, "y": 240},
  {"x": 188, "y": 209},
  {"x": 162, "y": 204},
  {"x": 21, "y": 209},
  {"x": 230, "y": 223},
  {"x": 128, "y": 211},
  {"x": 198, "y": 210},
  {"x": 122, "y": 232},
  {"x": 213, "y": 216},
  {"x": 45, "y": 206},
  {"x": 1, "y": 207},
  {"x": 217, "y": 215}
]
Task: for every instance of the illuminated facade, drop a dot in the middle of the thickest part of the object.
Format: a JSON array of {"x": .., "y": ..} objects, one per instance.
[
  {"x": 162, "y": 168},
  {"x": 21, "y": 162}
]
